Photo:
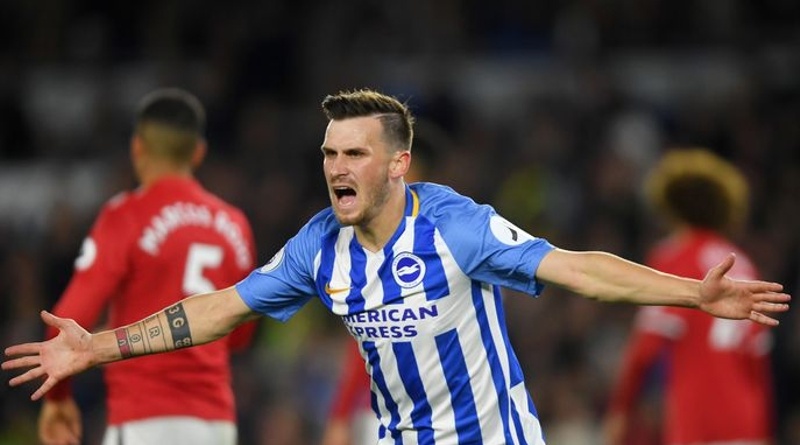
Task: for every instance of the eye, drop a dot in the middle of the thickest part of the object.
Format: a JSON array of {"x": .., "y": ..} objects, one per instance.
[{"x": 355, "y": 153}]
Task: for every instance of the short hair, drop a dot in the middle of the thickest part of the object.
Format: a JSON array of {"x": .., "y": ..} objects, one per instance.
[
  {"x": 396, "y": 117},
  {"x": 697, "y": 187},
  {"x": 171, "y": 121}
]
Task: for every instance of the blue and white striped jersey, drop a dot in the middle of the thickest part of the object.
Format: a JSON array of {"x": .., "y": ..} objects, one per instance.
[{"x": 426, "y": 311}]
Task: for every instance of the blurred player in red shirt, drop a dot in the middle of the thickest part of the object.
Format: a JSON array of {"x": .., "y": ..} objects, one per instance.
[
  {"x": 149, "y": 248},
  {"x": 351, "y": 420},
  {"x": 718, "y": 385}
]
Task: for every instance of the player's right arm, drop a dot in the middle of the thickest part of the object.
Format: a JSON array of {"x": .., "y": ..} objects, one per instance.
[{"x": 195, "y": 320}]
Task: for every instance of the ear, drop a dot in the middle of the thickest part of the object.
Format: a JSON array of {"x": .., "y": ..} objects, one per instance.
[
  {"x": 400, "y": 164},
  {"x": 137, "y": 149},
  {"x": 200, "y": 150}
]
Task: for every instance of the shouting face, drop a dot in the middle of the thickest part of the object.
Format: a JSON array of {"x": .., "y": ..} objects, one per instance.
[{"x": 359, "y": 167}]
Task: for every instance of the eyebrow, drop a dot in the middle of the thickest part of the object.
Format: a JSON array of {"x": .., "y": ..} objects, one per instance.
[{"x": 344, "y": 150}]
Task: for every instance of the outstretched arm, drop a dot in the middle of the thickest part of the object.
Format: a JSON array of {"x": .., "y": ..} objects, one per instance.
[
  {"x": 192, "y": 321},
  {"x": 607, "y": 277}
]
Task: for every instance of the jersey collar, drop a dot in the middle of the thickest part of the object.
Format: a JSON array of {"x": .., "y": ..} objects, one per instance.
[{"x": 412, "y": 202}]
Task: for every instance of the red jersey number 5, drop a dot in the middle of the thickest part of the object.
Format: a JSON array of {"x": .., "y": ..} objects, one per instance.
[{"x": 200, "y": 258}]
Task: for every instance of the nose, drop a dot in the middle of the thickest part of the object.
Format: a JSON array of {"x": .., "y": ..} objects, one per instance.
[{"x": 336, "y": 165}]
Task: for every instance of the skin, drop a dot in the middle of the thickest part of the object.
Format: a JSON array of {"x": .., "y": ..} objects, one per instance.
[
  {"x": 60, "y": 422},
  {"x": 337, "y": 432},
  {"x": 149, "y": 167},
  {"x": 60, "y": 419},
  {"x": 356, "y": 156}
]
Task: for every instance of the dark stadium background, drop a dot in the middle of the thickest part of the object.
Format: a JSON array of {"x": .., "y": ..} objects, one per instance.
[{"x": 550, "y": 110}]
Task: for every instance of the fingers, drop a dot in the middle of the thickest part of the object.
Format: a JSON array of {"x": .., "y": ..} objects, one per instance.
[
  {"x": 756, "y": 286},
  {"x": 763, "y": 319},
  {"x": 52, "y": 320},
  {"x": 23, "y": 349},
  {"x": 772, "y": 297},
  {"x": 30, "y": 359},
  {"x": 779, "y": 300},
  {"x": 46, "y": 386},
  {"x": 765, "y": 306},
  {"x": 770, "y": 302},
  {"x": 723, "y": 267},
  {"x": 22, "y": 362},
  {"x": 31, "y": 374}
]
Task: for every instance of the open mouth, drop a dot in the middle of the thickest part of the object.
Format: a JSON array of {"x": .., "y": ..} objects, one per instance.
[
  {"x": 345, "y": 195},
  {"x": 341, "y": 192}
]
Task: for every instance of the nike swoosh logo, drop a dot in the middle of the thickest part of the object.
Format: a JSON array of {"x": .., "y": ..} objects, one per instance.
[{"x": 335, "y": 290}]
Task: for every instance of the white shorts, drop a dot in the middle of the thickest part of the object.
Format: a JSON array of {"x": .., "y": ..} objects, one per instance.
[
  {"x": 364, "y": 427},
  {"x": 172, "y": 431}
]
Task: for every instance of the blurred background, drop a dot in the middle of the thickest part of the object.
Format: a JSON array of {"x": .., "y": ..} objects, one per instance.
[{"x": 550, "y": 110}]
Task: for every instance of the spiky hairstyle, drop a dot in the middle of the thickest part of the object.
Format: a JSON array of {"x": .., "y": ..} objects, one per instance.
[{"x": 398, "y": 122}]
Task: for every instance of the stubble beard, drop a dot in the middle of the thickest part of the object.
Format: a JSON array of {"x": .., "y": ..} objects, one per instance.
[{"x": 373, "y": 206}]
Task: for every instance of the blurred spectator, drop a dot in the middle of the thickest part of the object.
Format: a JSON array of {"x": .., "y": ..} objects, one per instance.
[{"x": 717, "y": 385}]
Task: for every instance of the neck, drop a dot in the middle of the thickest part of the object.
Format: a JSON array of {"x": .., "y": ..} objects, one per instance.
[
  {"x": 156, "y": 173},
  {"x": 374, "y": 234}
]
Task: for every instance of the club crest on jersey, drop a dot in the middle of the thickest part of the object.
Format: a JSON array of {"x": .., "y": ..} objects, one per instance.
[
  {"x": 273, "y": 262},
  {"x": 408, "y": 269}
]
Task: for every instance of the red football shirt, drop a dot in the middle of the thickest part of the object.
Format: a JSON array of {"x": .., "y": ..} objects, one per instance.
[
  {"x": 148, "y": 249},
  {"x": 353, "y": 394},
  {"x": 718, "y": 381}
]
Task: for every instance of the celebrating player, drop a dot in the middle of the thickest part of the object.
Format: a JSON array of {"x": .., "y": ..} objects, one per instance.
[{"x": 414, "y": 273}]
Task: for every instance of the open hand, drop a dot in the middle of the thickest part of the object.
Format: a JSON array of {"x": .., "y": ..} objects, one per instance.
[
  {"x": 70, "y": 352},
  {"x": 724, "y": 297}
]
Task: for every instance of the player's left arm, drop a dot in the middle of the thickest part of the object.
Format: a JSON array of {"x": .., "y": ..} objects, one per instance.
[{"x": 607, "y": 277}]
